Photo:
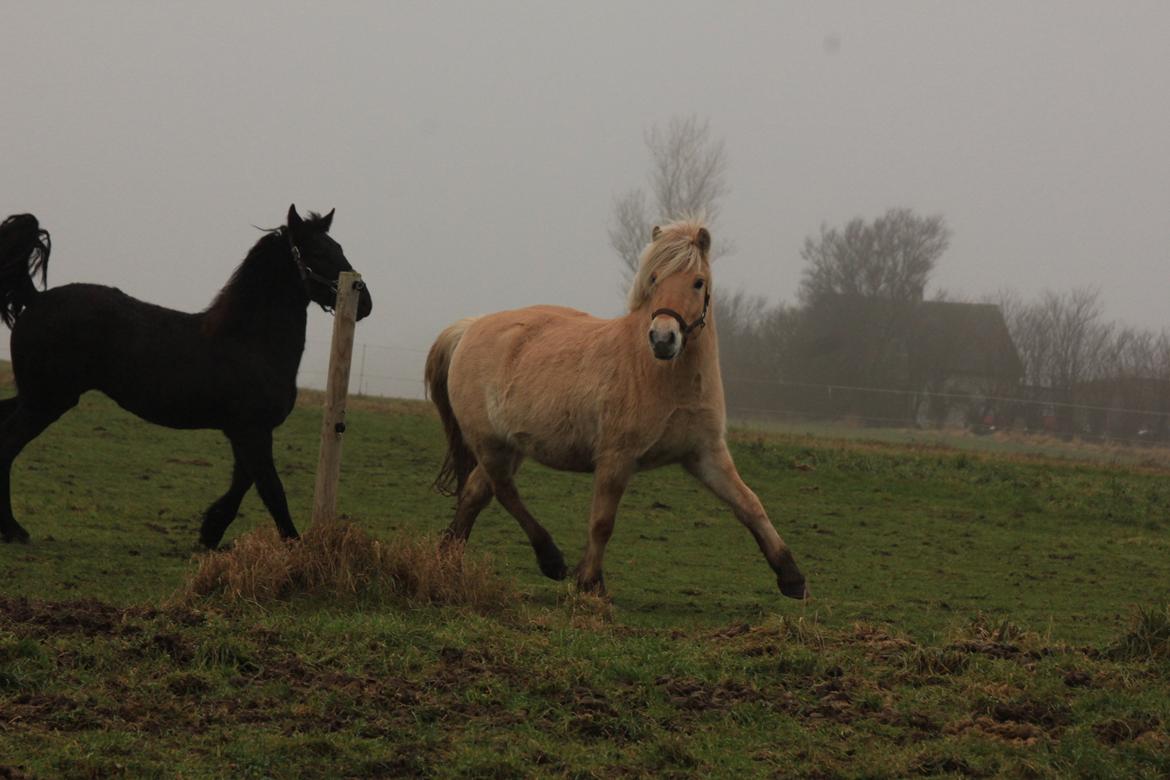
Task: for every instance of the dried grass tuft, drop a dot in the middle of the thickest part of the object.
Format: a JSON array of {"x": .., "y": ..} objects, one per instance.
[
  {"x": 341, "y": 561},
  {"x": 1148, "y": 637}
]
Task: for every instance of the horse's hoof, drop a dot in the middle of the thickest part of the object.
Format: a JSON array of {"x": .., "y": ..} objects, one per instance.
[
  {"x": 552, "y": 563},
  {"x": 794, "y": 589},
  {"x": 19, "y": 536},
  {"x": 594, "y": 587},
  {"x": 449, "y": 541}
]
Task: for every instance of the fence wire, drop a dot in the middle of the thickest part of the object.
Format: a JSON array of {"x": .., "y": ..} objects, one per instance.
[{"x": 396, "y": 370}]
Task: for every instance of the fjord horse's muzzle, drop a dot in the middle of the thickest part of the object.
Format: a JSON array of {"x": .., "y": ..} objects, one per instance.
[{"x": 664, "y": 340}]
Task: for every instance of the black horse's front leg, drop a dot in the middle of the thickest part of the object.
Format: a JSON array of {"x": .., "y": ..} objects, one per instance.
[
  {"x": 254, "y": 451},
  {"x": 22, "y": 425},
  {"x": 220, "y": 515}
]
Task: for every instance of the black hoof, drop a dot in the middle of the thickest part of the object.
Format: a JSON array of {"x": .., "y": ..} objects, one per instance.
[
  {"x": 17, "y": 535},
  {"x": 552, "y": 563},
  {"x": 207, "y": 545},
  {"x": 794, "y": 588}
]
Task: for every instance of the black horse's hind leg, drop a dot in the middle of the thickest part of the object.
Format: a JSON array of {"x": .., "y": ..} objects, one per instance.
[
  {"x": 254, "y": 451},
  {"x": 21, "y": 426},
  {"x": 220, "y": 515},
  {"x": 7, "y": 407}
]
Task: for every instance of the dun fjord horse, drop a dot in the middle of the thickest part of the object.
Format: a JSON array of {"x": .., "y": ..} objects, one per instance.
[
  {"x": 611, "y": 397},
  {"x": 232, "y": 367}
]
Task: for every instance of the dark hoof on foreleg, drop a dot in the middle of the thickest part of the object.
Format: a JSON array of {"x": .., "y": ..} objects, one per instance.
[
  {"x": 207, "y": 545},
  {"x": 794, "y": 588},
  {"x": 552, "y": 563}
]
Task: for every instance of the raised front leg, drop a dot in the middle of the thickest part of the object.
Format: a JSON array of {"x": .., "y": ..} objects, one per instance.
[
  {"x": 254, "y": 451},
  {"x": 609, "y": 484},
  {"x": 715, "y": 469},
  {"x": 220, "y": 515}
]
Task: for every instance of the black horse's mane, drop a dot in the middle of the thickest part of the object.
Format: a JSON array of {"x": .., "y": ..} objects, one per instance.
[{"x": 267, "y": 271}]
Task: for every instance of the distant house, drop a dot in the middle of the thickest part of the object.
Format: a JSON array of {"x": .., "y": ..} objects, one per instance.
[
  {"x": 962, "y": 357},
  {"x": 898, "y": 363}
]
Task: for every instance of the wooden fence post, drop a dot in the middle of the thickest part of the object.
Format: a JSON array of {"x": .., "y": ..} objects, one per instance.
[{"x": 349, "y": 286}]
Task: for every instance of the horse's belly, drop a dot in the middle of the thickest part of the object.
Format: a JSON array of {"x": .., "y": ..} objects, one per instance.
[{"x": 559, "y": 455}]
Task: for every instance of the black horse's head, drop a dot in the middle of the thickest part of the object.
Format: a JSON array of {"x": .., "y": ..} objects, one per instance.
[{"x": 320, "y": 259}]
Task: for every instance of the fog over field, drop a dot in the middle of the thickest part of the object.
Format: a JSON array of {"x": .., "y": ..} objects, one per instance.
[{"x": 474, "y": 151}]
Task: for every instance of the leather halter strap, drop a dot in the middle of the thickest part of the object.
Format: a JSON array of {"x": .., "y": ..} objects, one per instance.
[
  {"x": 308, "y": 274},
  {"x": 685, "y": 328}
]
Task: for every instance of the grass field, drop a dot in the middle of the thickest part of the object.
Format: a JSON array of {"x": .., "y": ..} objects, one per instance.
[{"x": 974, "y": 613}]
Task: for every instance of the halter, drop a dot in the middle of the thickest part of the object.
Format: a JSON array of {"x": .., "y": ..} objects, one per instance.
[
  {"x": 684, "y": 328},
  {"x": 309, "y": 275}
]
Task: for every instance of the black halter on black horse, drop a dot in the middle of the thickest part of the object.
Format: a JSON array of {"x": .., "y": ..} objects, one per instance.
[{"x": 231, "y": 367}]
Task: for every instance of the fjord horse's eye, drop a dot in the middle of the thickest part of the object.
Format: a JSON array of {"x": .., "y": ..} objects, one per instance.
[
  {"x": 653, "y": 278},
  {"x": 698, "y": 284}
]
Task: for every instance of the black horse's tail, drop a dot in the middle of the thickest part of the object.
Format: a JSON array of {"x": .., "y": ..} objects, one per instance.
[
  {"x": 24, "y": 252},
  {"x": 459, "y": 461}
]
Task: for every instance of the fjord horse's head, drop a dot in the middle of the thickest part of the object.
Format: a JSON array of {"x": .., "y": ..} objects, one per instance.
[{"x": 673, "y": 284}]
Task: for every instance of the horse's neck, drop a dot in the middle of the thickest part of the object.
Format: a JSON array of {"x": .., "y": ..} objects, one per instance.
[{"x": 266, "y": 312}]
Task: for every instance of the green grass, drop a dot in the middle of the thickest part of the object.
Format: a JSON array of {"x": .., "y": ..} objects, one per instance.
[{"x": 975, "y": 613}]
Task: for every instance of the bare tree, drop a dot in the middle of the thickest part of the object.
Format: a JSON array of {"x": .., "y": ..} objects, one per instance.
[
  {"x": 1029, "y": 333},
  {"x": 891, "y": 257},
  {"x": 687, "y": 178},
  {"x": 1079, "y": 337},
  {"x": 1065, "y": 343}
]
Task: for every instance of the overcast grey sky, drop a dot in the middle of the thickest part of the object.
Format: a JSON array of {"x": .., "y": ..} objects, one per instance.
[{"x": 473, "y": 150}]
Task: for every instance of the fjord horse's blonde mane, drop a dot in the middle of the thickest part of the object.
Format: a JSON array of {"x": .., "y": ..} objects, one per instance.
[{"x": 675, "y": 249}]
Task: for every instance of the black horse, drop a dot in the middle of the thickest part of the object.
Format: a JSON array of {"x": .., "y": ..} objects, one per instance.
[{"x": 232, "y": 367}]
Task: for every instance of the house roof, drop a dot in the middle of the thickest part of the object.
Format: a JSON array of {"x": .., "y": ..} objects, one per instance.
[
  {"x": 936, "y": 337},
  {"x": 966, "y": 338}
]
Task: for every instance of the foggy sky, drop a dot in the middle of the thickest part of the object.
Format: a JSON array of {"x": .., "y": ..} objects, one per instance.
[{"x": 473, "y": 150}]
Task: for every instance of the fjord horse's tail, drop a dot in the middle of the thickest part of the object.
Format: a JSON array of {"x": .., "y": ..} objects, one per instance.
[
  {"x": 24, "y": 252},
  {"x": 459, "y": 461}
]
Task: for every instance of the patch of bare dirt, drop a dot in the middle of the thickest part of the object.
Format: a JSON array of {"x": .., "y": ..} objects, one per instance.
[
  {"x": 1008, "y": 731},
  {"x": 688, "y": 693},
  {"x": 1118, "y": 730},
  {"x": 39, "y": 618}
]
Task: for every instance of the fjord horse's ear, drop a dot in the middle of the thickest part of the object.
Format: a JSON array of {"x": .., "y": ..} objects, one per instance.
[
  {"x": 703, "y": 241},
  {"x": 326, "y": 221},
  {"x": 655, "y": 233},
  {"x": 294, "y": 219}
]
